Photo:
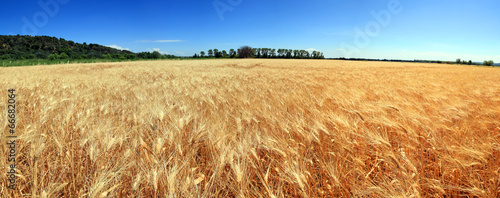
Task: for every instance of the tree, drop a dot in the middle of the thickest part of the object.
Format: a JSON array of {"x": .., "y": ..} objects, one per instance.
[
  {"x": 156, "y": 55},
  {"x": 245, "y": 52},
  {"x": 216, "y": 53},
  {"x": 210, "y": 52},
  {"x": 232, "y": 53},
  {"x": 224, "y": 53},
  {"x": 458, "y": 61},
  {"x": 488, "y": 63},
  {"x": 202, "y": 53},
  {"x": 470, "y": 62}
]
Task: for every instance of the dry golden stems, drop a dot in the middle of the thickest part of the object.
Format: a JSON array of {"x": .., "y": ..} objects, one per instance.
[{"x": 255, "y": 128}]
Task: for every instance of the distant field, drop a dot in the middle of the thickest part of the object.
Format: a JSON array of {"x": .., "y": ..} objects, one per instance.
[{"x": 253, "y": 128}]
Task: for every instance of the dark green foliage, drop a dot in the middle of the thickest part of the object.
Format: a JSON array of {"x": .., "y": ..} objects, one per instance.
[
  {"x": 29, "y": 56},
  {"x": 232, "y": 53},
  {"x": 53, "y": 57},
  {"x": 488, "y": 63},
  {"x": 156, "y": 55},
  {"x": 53, "y": 49},
  {"x": 130, "y": 56},
  {"x": 248, "y": 52},
  {"x": 63, "y": 56},
  {"x": 245, "y": 52},
  {"x": 6, "y": 56},
  {"x": 29, "y": 47}
]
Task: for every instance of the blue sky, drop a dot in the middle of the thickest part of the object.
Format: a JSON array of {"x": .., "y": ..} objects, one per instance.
[{"x": 393, "y": 29}]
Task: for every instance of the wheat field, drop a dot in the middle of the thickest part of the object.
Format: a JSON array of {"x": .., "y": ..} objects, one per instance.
[{"x": 253, "y": 128}]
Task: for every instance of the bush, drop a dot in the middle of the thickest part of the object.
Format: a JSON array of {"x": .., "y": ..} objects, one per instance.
[
  {"x": 6, "y": 57},
  {"x": 53, "y": 57},
  {"x": 41, "y": 55},
  {"x": 30, "y": 56},
  {"x": 63, "y": 56},
  {"x": 106, "y": 56},
  {"x": 488, "y": 63},
  {"x": 130, "y": 56}
]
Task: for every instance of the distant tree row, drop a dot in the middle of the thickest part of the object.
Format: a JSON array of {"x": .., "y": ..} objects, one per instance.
[
  {"x": 458, "y": 61},
  {"x": 249, "y": 52},
  {"x": 486, "y": 62}
]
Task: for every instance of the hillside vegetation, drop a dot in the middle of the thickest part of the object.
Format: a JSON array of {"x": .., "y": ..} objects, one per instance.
[
  {"x": 254, "y": 128},
  {"x": 42, "y": 47}
]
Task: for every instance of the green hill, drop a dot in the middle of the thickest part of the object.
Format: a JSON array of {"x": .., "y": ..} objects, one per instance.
[{"x": 42, "y": 47}]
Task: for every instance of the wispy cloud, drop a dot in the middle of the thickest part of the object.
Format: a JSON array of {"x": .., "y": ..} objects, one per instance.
[
  {"x": 118, "y": 47},
  {"x": 159, "y": 41},
  {"x": 179, "y": 53},
  {"x": 311, "y": 49},
  {"x": 157, "y": 50}
]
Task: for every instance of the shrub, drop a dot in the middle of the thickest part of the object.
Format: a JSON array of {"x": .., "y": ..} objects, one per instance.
[
  {"x": 30, "y": 56},
  {"x": 6, "y": 56},
  {"x": 53, "y": 57},
  {"x": 63, "y": 56},
  {"x": 41, "y": 55},
  {"x": 130, "y": 56}
]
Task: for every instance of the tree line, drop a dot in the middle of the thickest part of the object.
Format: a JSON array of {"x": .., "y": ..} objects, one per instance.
[
  {"x": 485, "y": 63},
  {"x": 45, "y": 47},
  {"x": 458, "y": 61},
  {"x": 249, "y": 52}
]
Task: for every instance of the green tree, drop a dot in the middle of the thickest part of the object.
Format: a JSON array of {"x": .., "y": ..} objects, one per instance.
[
  {"x": 488, "y": 63},
  {"x": 232, "y": 53},
  {"x": 156, "y": 55},
  {"x": 217, "y": 53},
  {"x": 458, "y": 61},
  {"x": 210, "y": 52},
  {"x": 202, "y": 53},
  {"x": 245, "y": 52}
]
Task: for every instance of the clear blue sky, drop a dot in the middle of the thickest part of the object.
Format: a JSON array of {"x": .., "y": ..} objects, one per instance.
[{"x": 417, "y": 29}]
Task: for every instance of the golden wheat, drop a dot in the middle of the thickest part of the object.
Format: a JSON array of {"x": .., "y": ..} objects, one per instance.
[{"x": 253, "y": 128}]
